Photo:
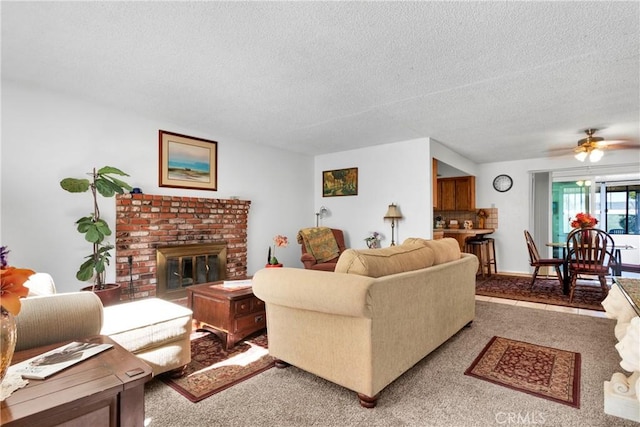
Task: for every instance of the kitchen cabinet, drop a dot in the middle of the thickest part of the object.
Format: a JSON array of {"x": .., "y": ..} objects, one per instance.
[{"x": 457, "y": 194}]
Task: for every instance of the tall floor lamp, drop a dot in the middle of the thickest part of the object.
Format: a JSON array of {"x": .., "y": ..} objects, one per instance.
[
  {"x": 393, "y": 213},
  {"x": 322, "y": 212}
]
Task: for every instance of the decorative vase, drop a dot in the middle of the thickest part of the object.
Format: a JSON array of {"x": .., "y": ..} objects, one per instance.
[
  {"x": 273, "y": 265},
  {"x": 8, "y": 337},
  {"x": 481, "y": 222},
  {"x": 110, "y": 295}
]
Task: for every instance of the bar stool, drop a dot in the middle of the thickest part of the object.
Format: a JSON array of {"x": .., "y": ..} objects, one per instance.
[
  {"x": 484, "y": 249},
  {"x": 492, "y": 255}
]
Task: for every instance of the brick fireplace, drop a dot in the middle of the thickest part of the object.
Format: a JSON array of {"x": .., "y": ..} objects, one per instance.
[{"x": 146, "y": 222}]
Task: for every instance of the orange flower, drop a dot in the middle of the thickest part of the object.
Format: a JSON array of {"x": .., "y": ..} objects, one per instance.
[
  {"x": 584, "y": 220},
  {"x": 12, "y": 287},
  {"x": 281, "y": 241}
]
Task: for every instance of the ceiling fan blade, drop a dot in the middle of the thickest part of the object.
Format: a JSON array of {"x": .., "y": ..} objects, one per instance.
[{"x": 614, "y": 142}]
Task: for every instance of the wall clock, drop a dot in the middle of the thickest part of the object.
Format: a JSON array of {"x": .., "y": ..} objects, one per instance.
[{"x": 502, "y": 183}]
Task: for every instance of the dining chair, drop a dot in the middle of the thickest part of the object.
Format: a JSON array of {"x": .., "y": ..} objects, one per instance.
[
  {"x": 537, "y": 262},
  {"x": 590, "y": 253}
]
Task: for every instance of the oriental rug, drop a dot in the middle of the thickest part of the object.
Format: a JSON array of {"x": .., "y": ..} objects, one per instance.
[
  {"x": 213, "y": 369},
  {"x": 588, "y": 294},
  {"x": 540, "y": 371}
]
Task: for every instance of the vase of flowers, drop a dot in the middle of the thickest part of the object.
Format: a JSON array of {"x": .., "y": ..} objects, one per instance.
[
  {"x": 11, "y": 290},
  {"x": 584, "y": 220},
  {"x": 279, "y": 241},
  {"x": 373, "y": 241}
]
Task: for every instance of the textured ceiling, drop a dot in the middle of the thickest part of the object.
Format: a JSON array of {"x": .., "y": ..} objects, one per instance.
[{"x": 491, "y": 80}]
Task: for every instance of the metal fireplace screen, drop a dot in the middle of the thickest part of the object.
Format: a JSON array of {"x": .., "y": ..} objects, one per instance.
[{"x": 181, "y": 266}]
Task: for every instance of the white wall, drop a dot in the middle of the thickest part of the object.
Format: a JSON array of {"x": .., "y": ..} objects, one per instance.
[
  {"x": 513, "y": 206},
  {"x": 48, "y": 136},
  {"x": 397, "y": 173}
]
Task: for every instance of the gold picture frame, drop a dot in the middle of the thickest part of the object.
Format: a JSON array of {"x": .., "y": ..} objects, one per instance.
[
  {"x": 187, "y": 162},
  {"x": 340, "y": 182}
]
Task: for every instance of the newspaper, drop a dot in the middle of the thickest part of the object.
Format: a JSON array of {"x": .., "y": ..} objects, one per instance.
[
  {"x": 237, "y": 284},
  {"x": 47, "y": 364}
]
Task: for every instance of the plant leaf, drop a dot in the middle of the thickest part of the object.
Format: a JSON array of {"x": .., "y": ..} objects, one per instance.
[
  {"x": 74, "y": 185},
  {"x": 121, "y": 184},
  {"x": 94, "y": 235},
  {"x": 106, "y": 170},
  {"x": 105, "y": 187},
  {"x": 86, "y": 270}
]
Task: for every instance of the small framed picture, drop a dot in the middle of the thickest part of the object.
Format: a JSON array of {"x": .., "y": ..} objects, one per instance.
[
  {"x": 187, "y": 162},
  {"x": 340, "y": 182}
]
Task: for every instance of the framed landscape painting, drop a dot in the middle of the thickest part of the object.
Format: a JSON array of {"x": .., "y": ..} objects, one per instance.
[
  {"x": 340, "y": 182},
  {"x": 187, "y": 162}
]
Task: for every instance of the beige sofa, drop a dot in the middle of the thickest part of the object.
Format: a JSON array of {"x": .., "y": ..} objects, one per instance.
[
  {"x": 156, "y": 331},
  {"x": 381, "y": 312}
]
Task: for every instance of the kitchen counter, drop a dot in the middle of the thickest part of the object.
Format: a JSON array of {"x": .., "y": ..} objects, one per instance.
[
  {"x": 461, "y": 234},
  {"x": 472, "y": 231}
]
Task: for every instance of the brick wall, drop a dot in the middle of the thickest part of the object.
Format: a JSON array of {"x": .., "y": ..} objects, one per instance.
[{"x": 145, "y": 222}]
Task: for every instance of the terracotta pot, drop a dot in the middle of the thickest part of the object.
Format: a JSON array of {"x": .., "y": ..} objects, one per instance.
[
  {"x": 110, "y": 295},
  {"x": 273, "y": 265},
  {"x": 8, "y": 338}
]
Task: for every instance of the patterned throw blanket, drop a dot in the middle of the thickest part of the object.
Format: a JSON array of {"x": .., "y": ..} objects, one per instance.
[{"x": 319, "y": 242}]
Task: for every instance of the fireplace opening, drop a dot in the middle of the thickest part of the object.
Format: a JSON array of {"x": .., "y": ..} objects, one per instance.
[{"x": 181, "y": 266}]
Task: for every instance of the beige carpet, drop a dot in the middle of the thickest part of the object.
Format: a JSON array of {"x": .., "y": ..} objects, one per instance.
[{"x": 435, "y": 392}]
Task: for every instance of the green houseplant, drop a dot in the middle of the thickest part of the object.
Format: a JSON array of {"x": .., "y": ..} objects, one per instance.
[{"x": 105, "y": 182}]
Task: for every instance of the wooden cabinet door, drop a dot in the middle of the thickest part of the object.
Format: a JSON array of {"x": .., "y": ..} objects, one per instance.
[
  {"x": 457, "y": 194},
  {"x": 447, "y": 194},
  {"x": 465, "y": 193}
]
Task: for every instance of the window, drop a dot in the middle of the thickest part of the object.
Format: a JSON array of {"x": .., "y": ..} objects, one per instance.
[{"x": 621, "y": 208}]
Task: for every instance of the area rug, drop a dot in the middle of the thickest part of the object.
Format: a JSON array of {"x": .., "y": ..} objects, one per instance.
[
  {"x": 587, "y": 295},
  {"x": 213, "y": 369},
  {"x": 540, "y": 371}
]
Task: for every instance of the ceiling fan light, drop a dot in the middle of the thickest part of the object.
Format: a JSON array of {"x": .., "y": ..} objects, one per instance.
[
  {"x": 596, "y": 155},
  {"x": 581, "y": 156}
]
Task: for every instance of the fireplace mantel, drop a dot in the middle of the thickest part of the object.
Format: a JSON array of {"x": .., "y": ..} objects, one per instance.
[{"x": 145, "y": 222}]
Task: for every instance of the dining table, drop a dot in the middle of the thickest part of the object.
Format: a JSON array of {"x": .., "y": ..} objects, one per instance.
[{"x": 616, "y": 268}]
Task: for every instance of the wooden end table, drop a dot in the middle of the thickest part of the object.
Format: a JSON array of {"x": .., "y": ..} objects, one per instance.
[
  {"x": 105, "y": 390},
  {"x": 230, "y": 313}
]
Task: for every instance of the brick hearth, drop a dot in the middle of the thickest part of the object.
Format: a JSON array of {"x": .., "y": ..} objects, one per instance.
[{"x": 145, "y": 222}]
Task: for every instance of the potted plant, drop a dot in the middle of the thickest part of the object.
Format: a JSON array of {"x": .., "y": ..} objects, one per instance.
[{"x": 95, "y": 229}]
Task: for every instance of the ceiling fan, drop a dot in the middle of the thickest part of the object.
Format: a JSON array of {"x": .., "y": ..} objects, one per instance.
[{"x": 592, "y": 146}]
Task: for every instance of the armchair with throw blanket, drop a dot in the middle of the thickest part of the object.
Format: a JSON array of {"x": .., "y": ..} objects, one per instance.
[{"x": 321, "y": 247}]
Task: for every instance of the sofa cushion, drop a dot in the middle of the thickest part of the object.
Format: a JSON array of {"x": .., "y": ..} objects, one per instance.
[
  {"x": 386, "y": 261},
  {"x": 146, "y": 323},
  {"x": 445, "y": 250}
]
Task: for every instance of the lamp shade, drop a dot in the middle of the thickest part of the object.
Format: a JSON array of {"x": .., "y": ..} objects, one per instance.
[
  {"x": 393, "y": 212},
  {"x": 596, "y": 155}
]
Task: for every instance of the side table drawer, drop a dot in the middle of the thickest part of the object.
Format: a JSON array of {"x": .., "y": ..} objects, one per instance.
[
  {"x": 257, "y": 304},
  {"x": 248, "y": 305},
  {"x": 252, "y": 322},
  {"x": 242, "y": 306}
]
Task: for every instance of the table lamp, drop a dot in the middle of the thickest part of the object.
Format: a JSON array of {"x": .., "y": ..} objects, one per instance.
[{"x": 393, "y": 213}]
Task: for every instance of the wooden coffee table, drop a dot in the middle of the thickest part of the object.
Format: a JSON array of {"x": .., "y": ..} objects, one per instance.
[
  {"x": 105, "y": 390},
  {"x": 230, "y": 313}
]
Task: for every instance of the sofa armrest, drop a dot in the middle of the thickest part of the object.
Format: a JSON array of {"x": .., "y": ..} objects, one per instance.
[
  {"x": 341, "y": 294},
  {"x": 56, "y": 318}
]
